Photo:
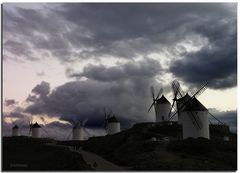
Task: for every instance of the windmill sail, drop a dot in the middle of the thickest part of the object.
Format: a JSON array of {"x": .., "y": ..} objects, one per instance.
[
  {"x": 153, "y": 96},
  {"x": 30, "y": 125},
  {"x": 179, "y": 95}
]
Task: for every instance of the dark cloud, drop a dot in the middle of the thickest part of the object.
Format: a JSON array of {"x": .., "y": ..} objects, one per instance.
[
  {"x": 9, "y": 102},
  {"x": 31, "y": 98},
  {"x": 76, "y": 31},
  {"x": 41, "y": 89},
  {"x": 59, "y": 125},
  {"x": 216, "y": 62},
  {"x": 17, "y": 48},
  {"x": 38, "y": 97},
  {"x": 41, "y": 31},
  {"x": 145, "y": 68},
  {"x": 124, "y": 88},
  {"x": 77, "y": 100}
]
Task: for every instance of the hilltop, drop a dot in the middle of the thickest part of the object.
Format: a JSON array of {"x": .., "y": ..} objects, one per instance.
[
  {"x": 145, "y": 146},
  {"x": 153, "y": 146}
]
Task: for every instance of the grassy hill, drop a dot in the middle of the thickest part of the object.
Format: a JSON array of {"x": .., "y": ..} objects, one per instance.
[
  {"x": 137, "y": 149},
  {"x": 23, "y": 153}
]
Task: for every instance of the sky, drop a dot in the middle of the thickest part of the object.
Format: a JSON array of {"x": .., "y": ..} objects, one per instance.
[{"x": 64, "y": 63}]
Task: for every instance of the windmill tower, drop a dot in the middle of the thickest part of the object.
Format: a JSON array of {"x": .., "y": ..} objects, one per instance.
[
  {"x": 78, "y": 130},
  {"x": 194, "y": 118},
  {"x": 112, "y": 125},
  {"x": 191, "y": 113},
  {"x": 36, "y": 130},
  {"x": 161, "y": 105},
  {"x": 15, "y": 131}
]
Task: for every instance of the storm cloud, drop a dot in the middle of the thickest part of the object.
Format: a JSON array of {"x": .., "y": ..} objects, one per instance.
[
  {"x": 143, "y": 69},
  {"x": 215, "y": 62},
  {"x": 79, "y": 100},
  {"x": 77, "y": 32},
  {"x": 121, "y": 49},
  {"x": 9, "y": 102}
]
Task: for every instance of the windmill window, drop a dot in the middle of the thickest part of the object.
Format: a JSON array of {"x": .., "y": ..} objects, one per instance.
[{"x": 162, "y": 117}]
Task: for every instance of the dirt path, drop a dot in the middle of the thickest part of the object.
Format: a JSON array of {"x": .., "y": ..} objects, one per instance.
[{"x": 97, "y": 162}]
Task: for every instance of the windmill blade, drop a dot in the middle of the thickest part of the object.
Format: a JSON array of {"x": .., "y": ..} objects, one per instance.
[
  {"x": 110, "y": 113},
  {"x": 169, "y": 114},
  {"x": 199, "y": 91},
  {"x": 72, "y": 122},
  {"x": 181, "y": 92},
  {"x": 30, "y": 126},
  {"x": 159, "y": 93},
  {"x": 180, "y": 108},
  {"x": 195, "y": 120},
  {"x": 105, "y": 117},
  {"x": 177, "y": 89},
  {"x": 151, "y": 106},
  {"x": 152, "y": 92},
  {"x": 84, "y": 122},
  {"x": 178, "y": 93},
  {"x": 175, "y": 92},
  {"x": 216, "y": 119}
]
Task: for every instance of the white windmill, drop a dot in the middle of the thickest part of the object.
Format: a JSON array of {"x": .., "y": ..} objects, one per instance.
[
  {"x": 112, "y": 125},
  {"x": 78, "y": 130},
  {"x": 15, "y": 131},
  {"x": 36, "y": 130},
  {"x": 161, "y": 105},
  {"x": 191, "y": 113}
]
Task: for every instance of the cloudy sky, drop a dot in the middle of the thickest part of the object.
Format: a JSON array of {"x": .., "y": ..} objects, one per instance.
[{"x": 65, "y": 62}]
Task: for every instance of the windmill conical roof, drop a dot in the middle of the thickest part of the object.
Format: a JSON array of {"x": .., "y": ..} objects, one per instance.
[
  {"x": 162, "y": 100},
  {"x": 112, "y": 119},
  {"x": 184, "y": 98},
  {"x": 15, "y": 127},
  {"x": 195, "y": 105},
  {"x": 36, "y": 125}
]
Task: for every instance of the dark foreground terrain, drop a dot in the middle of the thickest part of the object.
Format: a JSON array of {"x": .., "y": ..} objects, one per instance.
[
  {"x": 23, "y": 153},
  {"x": 146, "y": 146},
  {"x": 136, "y": 149}
]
